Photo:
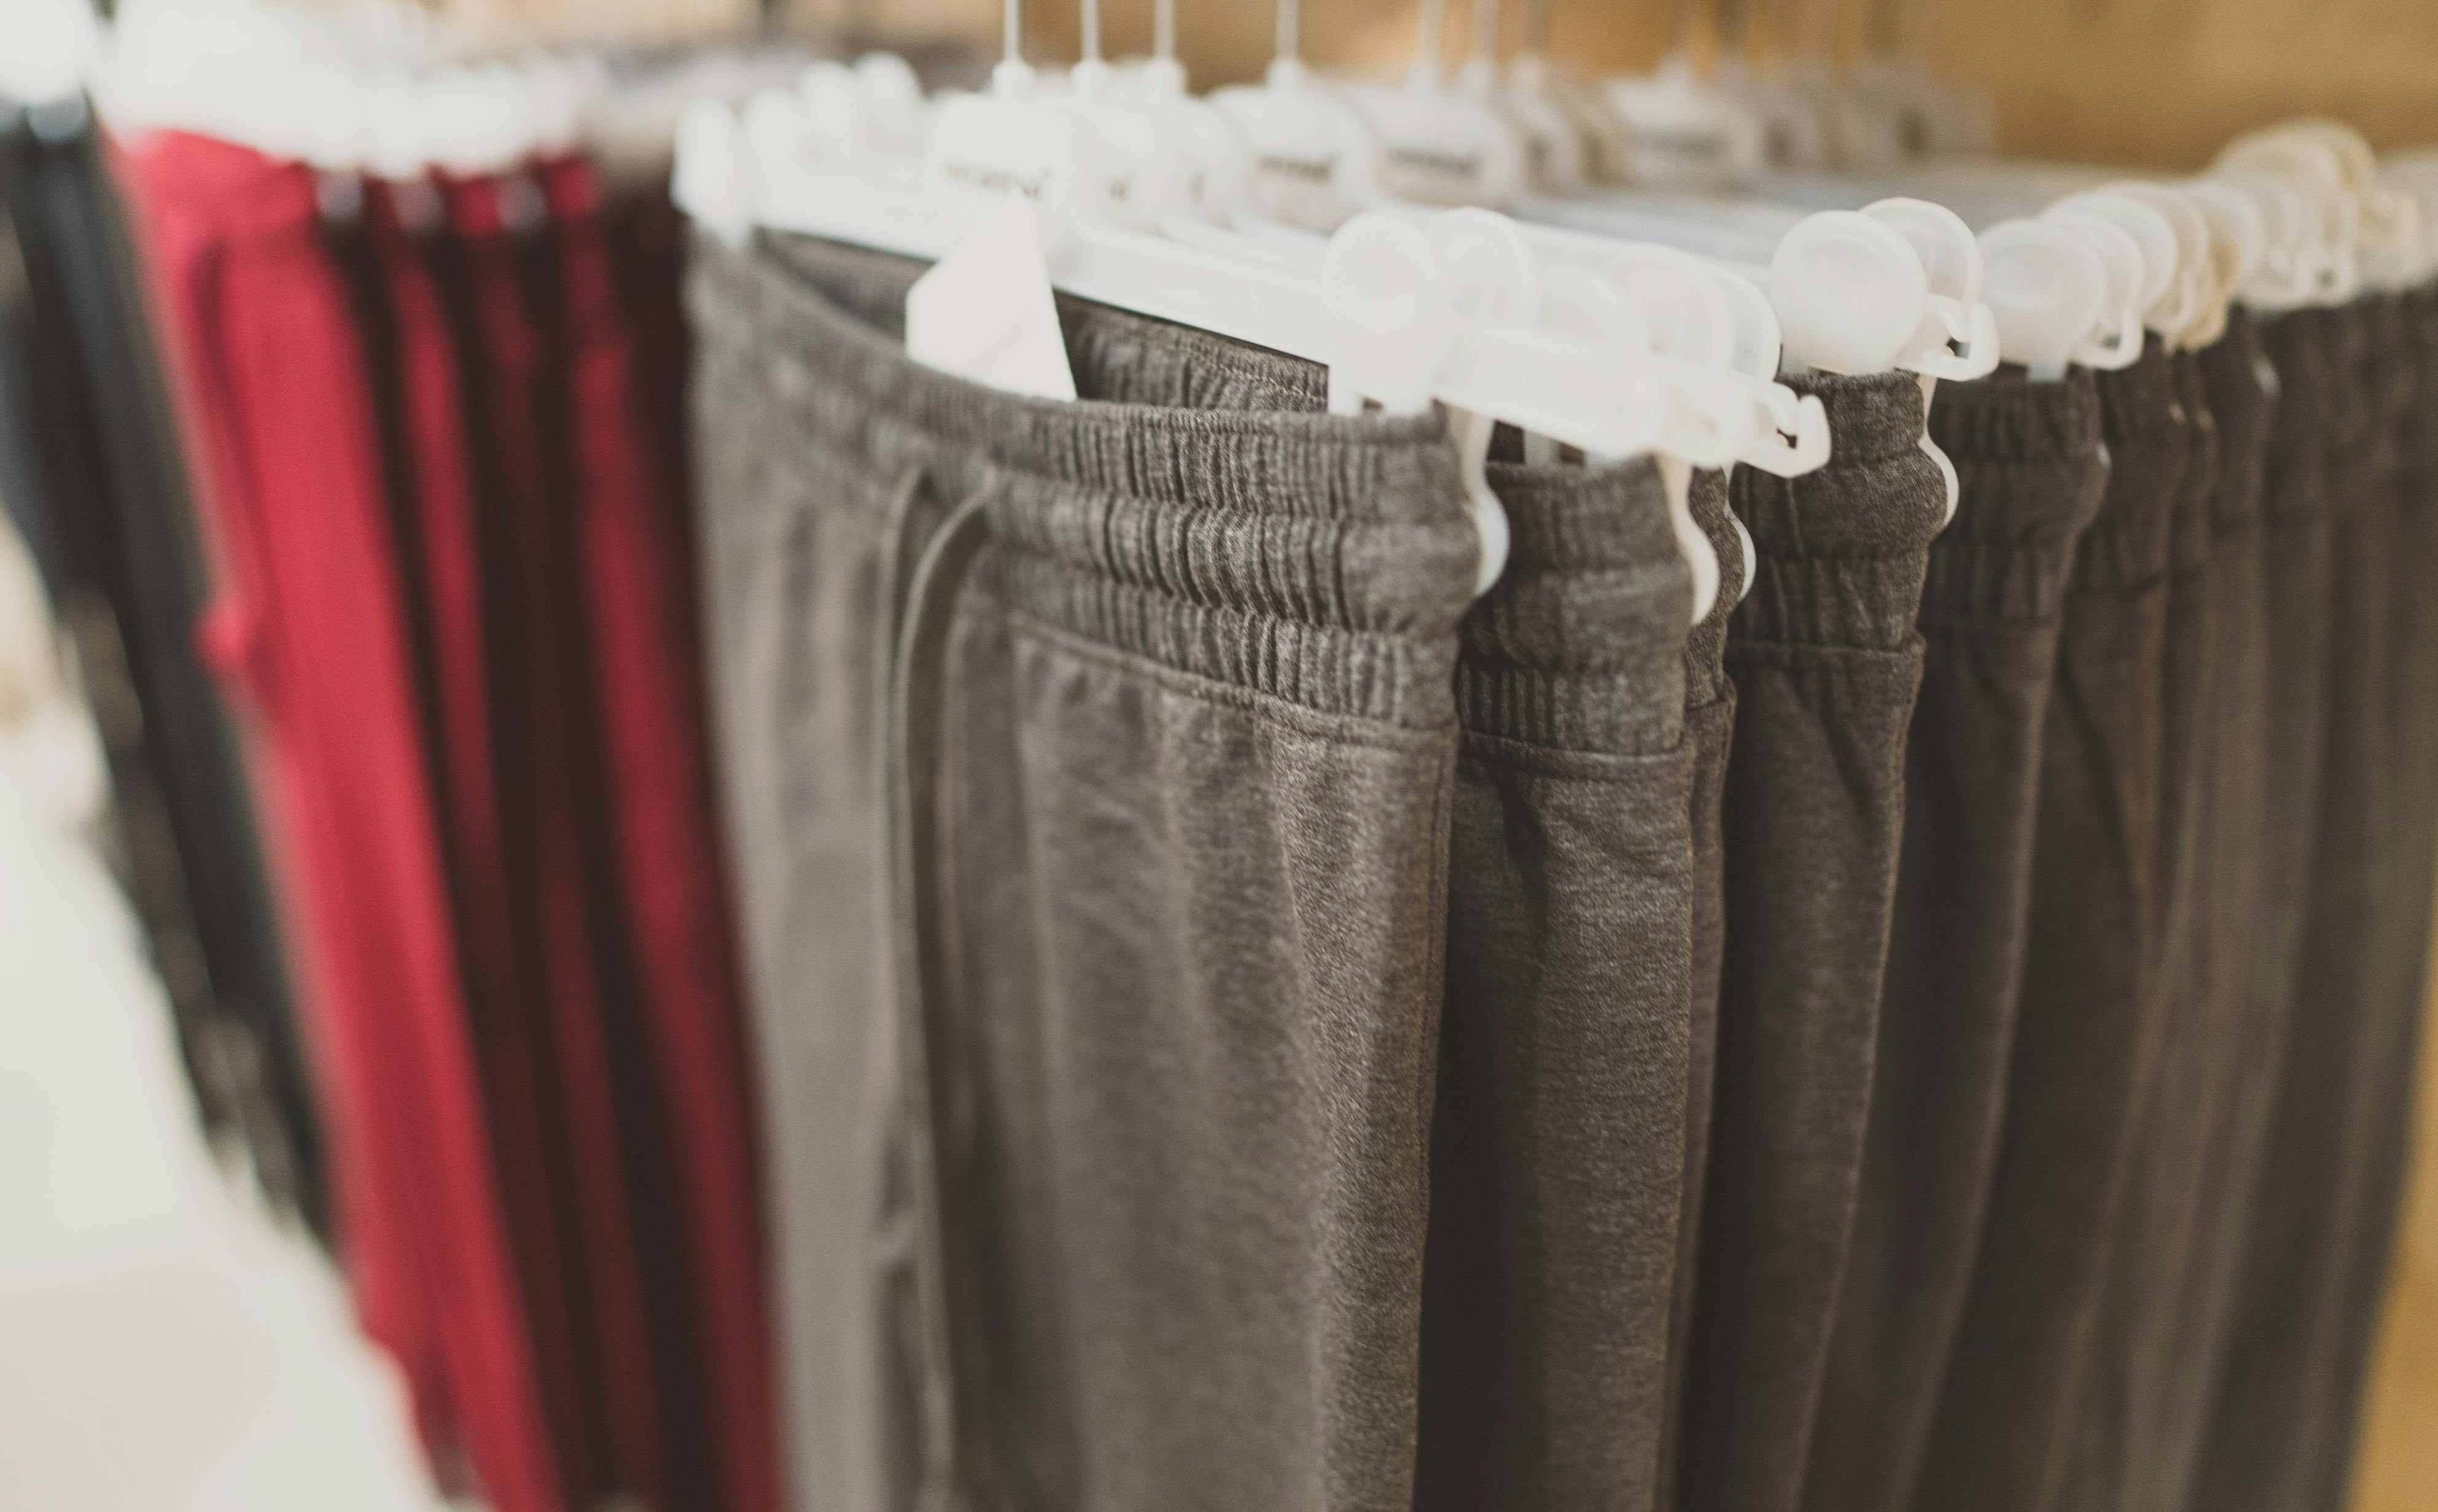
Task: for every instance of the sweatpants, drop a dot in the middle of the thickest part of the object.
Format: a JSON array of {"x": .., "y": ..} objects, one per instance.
[
  {"x": 1826, "y": 660},
  {"x": 1092, "y": 770}
]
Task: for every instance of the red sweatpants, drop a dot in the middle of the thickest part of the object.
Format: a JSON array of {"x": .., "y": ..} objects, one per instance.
[
  {"x": 310, "y": 622},
  {"x": 669, "y": 871},
  {"x": 404, "y": 226},
  {"x": 549, "y": 779}
]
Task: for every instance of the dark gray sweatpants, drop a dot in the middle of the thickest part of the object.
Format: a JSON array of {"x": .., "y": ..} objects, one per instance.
[
  {"x": 1827, "y": 662},
  {"x": 1558, "y": 1155},
  {"x": 2189, "y": 1290},
  {"x": 2290, "y": 1390},
  {"x": 1709, "y": 727},
  {"x": 2087, "y": 1023},
  {"x": 2033, "y": 473},
  {"x": 1091, "y": 770},
  {"x": 2113, "y": 1447}
]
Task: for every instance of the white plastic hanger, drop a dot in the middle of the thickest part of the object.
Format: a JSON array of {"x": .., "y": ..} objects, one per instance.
[
  {"x": 1608, "y": 144},
  {"x": 1828, "y": 275},
  {"x": 1312, "y": 153},
  {"x": 1792, "y": 132},
  {"x": 2415, "y": 173},
  {"x": 1219, "y": 161},
  {"x": 1382, "y": 313},
  {"x": 1858, "y": 125},
  {"x": 1686, "y": 133},
  {"x": 2377, "y": 232},
  {"x": 1436, "y": 145},
  {"x": 1557, "y": 153}
]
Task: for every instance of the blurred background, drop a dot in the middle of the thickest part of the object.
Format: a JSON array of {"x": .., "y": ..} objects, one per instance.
[
  {"x": 2161, "y": 83},
  {"x": 2152, "y": 84}
]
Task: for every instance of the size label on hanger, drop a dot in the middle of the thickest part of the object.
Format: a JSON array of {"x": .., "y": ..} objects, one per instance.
[
  {"x": 1442, "y": 147},
  {"x": 985, "y": 312}
]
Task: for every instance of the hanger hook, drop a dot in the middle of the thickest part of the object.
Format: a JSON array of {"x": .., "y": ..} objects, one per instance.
[
  {"x": 1430, "y": 29},
  {"x": 1536, "y": 29},
  {"x": 1485, "y": 33},
  {"x": 1683, "y": 21}
]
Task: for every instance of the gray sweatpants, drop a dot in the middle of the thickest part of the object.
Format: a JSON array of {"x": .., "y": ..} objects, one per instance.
[
  {"x": 2033, "y": 472},
  {"x": 1091, "y": 767},
  {"x": 2290, "y": 1389},
  {"x": 1827, "y": 662},
  {"x": 2087, "y": 1023},
  {"x": 1558, "y": 1155},
  {"x": 2190, "y": 1285},
  {"x": 2113, "y": 1446}
]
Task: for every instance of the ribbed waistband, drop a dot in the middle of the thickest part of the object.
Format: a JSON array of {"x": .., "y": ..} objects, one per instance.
[
  {"x": 1195, "y": 507},
  {"x": 1580, "y": 644},
  {"x": 2419, "y": 476},
  {"x": 2391, "y": 388},
  {"x": 1842, "y": 549},
  {"x": 2231, "y": 375},
  {"x": 1705, "y": 663},
  {"x": 2294, "y": 476},
  {"x": 2191, "y": 531},
  {"x": 2359, "y": 449},
  {"x": 2032, "y": 471},
  {"x": 2126, "y": 546}
]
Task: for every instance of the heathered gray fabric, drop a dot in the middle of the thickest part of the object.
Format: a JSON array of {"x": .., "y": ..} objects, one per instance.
[
  {"x": 2398, "y": 1011},
  {"x": 1827, "y": 662},
  {"x": 2114, "y": 1451},
  {"x": 2086, "y": 1022},
  {"x": 2284, "y": 1434},
  {"x": 2033, "y": 474},
  {"x": 2375, "y": 1138},
  {"x": 1100, "y": 1021},
  {"x": 1557, "y": 1156},
  {"x": 1709, "y": 728},
  {"x": 2194, "y": 1286}
]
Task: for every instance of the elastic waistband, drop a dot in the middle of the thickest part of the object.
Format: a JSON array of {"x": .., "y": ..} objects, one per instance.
[
  {"x": 2359, "y": 450},
  {"x": 1580, "y": 644},
  {"x": 1195, "y": 507},
  {"x": 2192, "y": 529},
  {"x": 2033, "y": 470},
  {"x": 2419, "y": 477},
  {"x": 1706, "y": 665},
  {"x": 1842, "y": 549},
  {"x": 2007, "y": 420},
  {"x": 2126, "y": 546},
  {"x": 2392, "y": 379},
  {"x": 2294, "y": 475},
  {"x": 2231, "y": 369}
]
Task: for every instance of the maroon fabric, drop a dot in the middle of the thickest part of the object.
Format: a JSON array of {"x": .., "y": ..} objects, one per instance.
[
  {"x": 670, "y": 877},
  {"x": 539, "y": 680},
  {"x": 309, "y": 626},
  {"x": 520, "y": 1085}
]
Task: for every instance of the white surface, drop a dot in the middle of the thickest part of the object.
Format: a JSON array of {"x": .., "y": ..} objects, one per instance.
[{"x": 163, "y": 1347}]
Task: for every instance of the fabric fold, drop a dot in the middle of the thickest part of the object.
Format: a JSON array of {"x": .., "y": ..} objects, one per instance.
[
  {"x": 2086, "y": 1027},
  {"x": 1558, "y": 1140},
  {"x": 2033, "y": 470},
  {"x": 1827, "y": 662}
]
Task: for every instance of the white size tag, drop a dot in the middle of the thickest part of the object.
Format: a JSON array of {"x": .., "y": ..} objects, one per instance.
[
  {"x": 1441, "y": 148},
  {"x": 984, "y": 312}
]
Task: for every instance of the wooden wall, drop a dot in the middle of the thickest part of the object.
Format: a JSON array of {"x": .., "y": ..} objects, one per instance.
[{"x": 2163, "y": 82}]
